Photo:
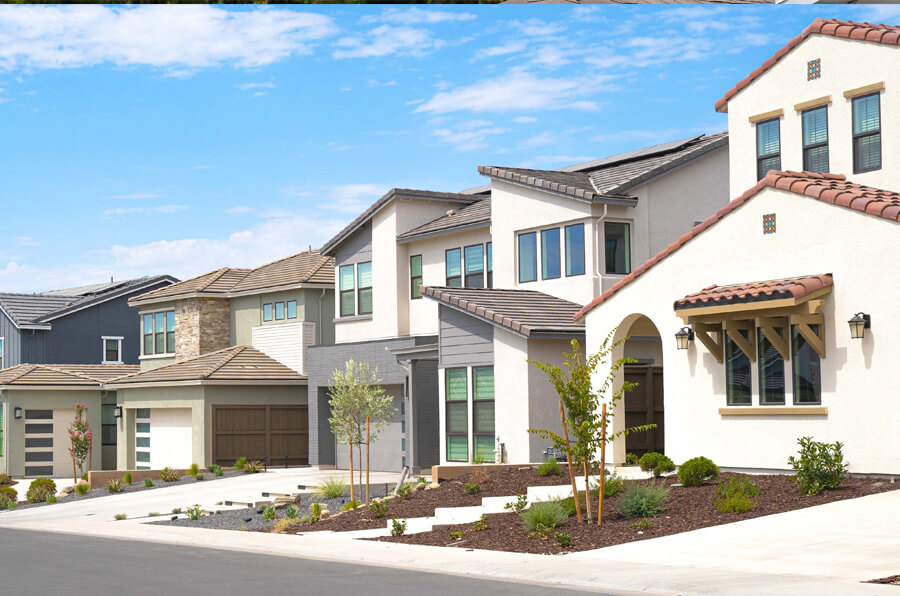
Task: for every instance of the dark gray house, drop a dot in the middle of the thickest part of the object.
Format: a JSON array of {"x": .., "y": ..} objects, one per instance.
[{"x": 84, "y": 325}]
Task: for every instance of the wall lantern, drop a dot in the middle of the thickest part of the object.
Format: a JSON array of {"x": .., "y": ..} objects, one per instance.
[
  {"x": 858, "y": 325},
  {"x": 684, "y": 335},
  {"x": 118, "y": 412},
  {"x": 17, "y": 413}
]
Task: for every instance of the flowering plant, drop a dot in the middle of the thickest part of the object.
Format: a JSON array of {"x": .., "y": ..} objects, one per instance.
[{"x": 81, "y": 437}]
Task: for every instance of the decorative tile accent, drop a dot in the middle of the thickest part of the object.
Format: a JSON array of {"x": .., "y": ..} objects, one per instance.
[
  {"x": 769, "y": 223},
  {"x": 814, "y": 69}
]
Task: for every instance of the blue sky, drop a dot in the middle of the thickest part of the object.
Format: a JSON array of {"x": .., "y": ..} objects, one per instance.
[{"x": 178, "y": 139}]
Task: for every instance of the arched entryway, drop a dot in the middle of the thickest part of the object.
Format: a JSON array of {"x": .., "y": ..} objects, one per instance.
[{"x": 645, "y": 404}]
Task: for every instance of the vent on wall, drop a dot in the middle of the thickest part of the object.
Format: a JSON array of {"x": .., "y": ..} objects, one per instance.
[
  {"x": 814, "y": 69},
  {"x": 769, "y": 223}
]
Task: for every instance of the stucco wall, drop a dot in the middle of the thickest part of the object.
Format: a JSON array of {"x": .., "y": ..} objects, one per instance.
[{"x": 246, "y": 313}]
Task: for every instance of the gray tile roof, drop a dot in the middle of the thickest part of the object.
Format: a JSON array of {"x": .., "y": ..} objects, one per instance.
[
  {"x": 526, "y": 312},
  {"x": 63, "y": 374},
  {"x": 471, "y": 216},
  {"x": 27, "y": 309},
  {"x": 612, "y": 177}
]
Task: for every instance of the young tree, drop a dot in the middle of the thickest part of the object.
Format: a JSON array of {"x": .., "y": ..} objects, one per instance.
[
  {"x": 355, "y": 393},
  {"x": 81, "y": 437},
  {"x": 585, "y": 420}
]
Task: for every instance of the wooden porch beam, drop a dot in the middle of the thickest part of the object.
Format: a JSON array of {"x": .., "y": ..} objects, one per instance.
[
  {"x": 716, "y": 348},
  {"x": 734, "y": 328},
  {"x": 769, "y": 327},
  {"x": 816, "y": 341}
]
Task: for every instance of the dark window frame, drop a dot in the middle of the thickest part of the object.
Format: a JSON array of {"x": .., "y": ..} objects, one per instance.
[
  {"x": 795, "y": 355},
  {"x": 858, "y": 136},
  {"x": 342, "y": 291},
  {"x": 105, "y": 426},
  {"x": 287, "y": 306},
  {"x": 558, "y": 260},
  {"x": 727, "y": 344},
  {"x": 271, "y": 312},
  {"x": 534, "y": 267},
  {"x": 762, "y": 379},
  {"x": 283, "y": 311},
  {"x": 629, "y": 260},
  {"x": 360, "y": 288},
  {"x": 761, "y": 158},
  {"x": 450, "y": 279},
  {"x": 414, "y": 285},
  {"x": 807, "y": 149},
  {"x": 489, "y": 263},
  {"x": 465, "y": 404},
  {"x": 583, "y": 249},
  {"x": 465, "y": 267}
]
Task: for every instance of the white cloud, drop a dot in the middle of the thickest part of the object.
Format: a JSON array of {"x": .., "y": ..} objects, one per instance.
[
  {"x": 525, "y": 119},
  {"x": 413, "y": 102},
  {"x": 139, "y": 195},
  {"x": 246, "y": 86},
  {"x": 145, "y": 210},
  {"x": 178, "y": 38},
  {"x": 518, "y": 90},
  {"x": 346, "y": 88},
  {"x": 239, "y": 210},
  {"x": 537, "y": 27},
  {"x": 417, "y": 16},
  {"x": 260, "y": 93},
  {"x": 510, "y": 47},
  {"x": 469, "y": 135},
  {"x": 27, "y": 241},
  {"x": 540, "y": 140},
  {"x": 354, "y": 198},
  {"x": 387, "y": 40}
]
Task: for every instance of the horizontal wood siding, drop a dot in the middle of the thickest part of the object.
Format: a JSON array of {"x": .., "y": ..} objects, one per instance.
[
  {"x": 12, "y": 343},
  {"x": 286, "y": 343},
  {"x": 464, "y": 340},
  {"x": 357, "y": 248}
]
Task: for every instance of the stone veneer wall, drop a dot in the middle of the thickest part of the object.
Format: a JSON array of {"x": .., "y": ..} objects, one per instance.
[{"x": 202, "y": 325}]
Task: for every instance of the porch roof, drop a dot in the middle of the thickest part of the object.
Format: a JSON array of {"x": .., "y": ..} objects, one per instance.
[
  {"x": 792, "y": 288},
  {"x": 63, "y": 375}
]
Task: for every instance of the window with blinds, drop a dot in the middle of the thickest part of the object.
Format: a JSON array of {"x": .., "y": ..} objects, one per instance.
[
  {"x": 815, "y": 139},
  {"x": 483, "y": 414},
  {"x": 457, "y": 403},
  {"x": 866, "y": 133},
  {"x": 768, "y": 147},
  {"x": 364, "y": 287}
]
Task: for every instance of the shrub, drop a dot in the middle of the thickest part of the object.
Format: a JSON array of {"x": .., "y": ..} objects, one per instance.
[
  {"x": 82, "y": 489},
  {"x": 331, "y": 488},
  {"x": 519, "y": 506},
  {"x": 696, "y": 471},
  {"x": 147, "y": 482},
  {"x": 631, "y": 459},
  {"x": 120, "y": 516},
  {"x": 379, "y": 508},
  {"x": 480, "y": 524},
  {"x": 199, "y": 476},
  {"x": 421, "y": 480},
  {"x": 194, "y": 469},
  {"x": 9, "y": 498},
  {"x": 350, "y": 505},
  {"x": 269, "y": 513},
  {"x": 657, "y": 463},
  {"x": 550, "y": 467},
  {"x": 193, "y": 513},
  {"x": 398, "y": 527},
  {"x": 564, "y": 539},
  {"x": 5, "y": 480},
  {"x": 544, "y": 516},
  {"x": 114, "y": 486},
  {"x": 211, "y": 468},
  {"x": 472, "y": 488},
  {"x": 819, "y": 466},
  {"x": 51, "y": 499},
  {"x": 176, "y": 510},
  {"x": 315, "y": 512},
  {"x": 645, "y": 523},
  {"x": 239, "y": 463},
  {"x": 736, "y": 496},
  {"x": 216, "y": 470},
  {"x": 167, "y": 474},
  {"x": 643, "y": 500},
  {"x": 253, "y": 467},
  {"x": 40, "y": 489},
  {"x": 284, "y": 523},
  {"x": 456, "y": 535},
  {"x": 127, "y": 479},
  {"x": 291, "y": 511},
  {"x": 405, "y": 491},
  {"x": 612, "y": 485}
]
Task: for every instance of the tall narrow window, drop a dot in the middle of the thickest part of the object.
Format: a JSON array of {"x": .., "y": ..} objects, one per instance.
[
  {"x": 292, "y": 309},
  {"x": 364, "y": 287},
  {"x": 768, "y": 147},
  {"x": 415, "y": 276},
  {"x": 527, "y": 257},
  {"x": 279, "y": 311},
  {"x": 866, "y": 133},
  {"x": 268, "y": 312},
  {"x": 771, "y": 371},
  {"x": 483, "y": 413},
  {"x": 815, "y": 139},
  {"x": 550, "y": 253},
  {"x": 453, "y": 267},
  {"x": 575, "y": 249},
  {"x": 148, "y": 334},
  {"x": 348, "y": 299},
  {"x": 456, "y": 390},
  {"x": 159, "y": 333},
  {"x": 807, "y": 369},
  {"x": 618, "y": 247},
  {"x": 489, "y": 249},
  {"x": 108, "y": 420},
  {"x": 475, "y": 266},
  {"x": 170, "y": 332},
  {"x": 737, "y": 372}
]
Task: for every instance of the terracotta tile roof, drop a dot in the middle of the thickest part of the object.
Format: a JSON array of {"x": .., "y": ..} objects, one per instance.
[
  {"x": 829, "y": 188},
  {"x": 523, "y": 311},
  {"x": 760, "y": 291},
  {"x": 237, "y": 363},
  {"x": 63, "y": 374},
  {"x": 474, "y": 215},
  {"x": 613, "y": 176},
  {"x": 885, "y": 34}
]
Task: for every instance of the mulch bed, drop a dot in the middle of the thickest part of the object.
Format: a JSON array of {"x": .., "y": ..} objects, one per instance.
[{"x": 686, "y": 509}]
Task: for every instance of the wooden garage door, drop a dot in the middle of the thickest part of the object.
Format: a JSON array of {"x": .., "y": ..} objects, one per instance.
[
  {"x": 644, "y": 405},
  {"x": 279, "y": 433}
]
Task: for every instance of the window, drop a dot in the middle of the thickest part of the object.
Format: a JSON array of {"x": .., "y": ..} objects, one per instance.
[
  {"x": 158, "y": 334},
  {"x": 415, "y": 277},
  {"x": 142, "y": 438},
  {"x": 292, "y": 309},
  {"x": 112, "y": 350},
  {"x": 771, "y": 371},
  {"x": 170, "y": 332},
  {"x": 148, "y": 334},
  {"x": 267, "y": 312},
  {"x": 453, "y": 267},
  {"x": 575, "y": 249},
  {"x": 348, "y": 299},
  {"x": 768, "y": 147},
  {"x": 618, "y": 247},
  {"x": 279, "y": 311},
  {"x": 108, "y": 419},
  {"x": 489, "y": 249},
  {"x": 866, "y": 133},
  {"x": 456, "y": 391},
  {"x": 737, "y": 372},
  {"x": 483, "y": 413},
  {"x": 807, "y": 369},
  {"x": 364, "y": 287},
  {"x": 475, "y": 266},
  {"x": 815, "y": 139},
  {"x": 527, "y": 257},
  {"x": 550, "y": 253}
]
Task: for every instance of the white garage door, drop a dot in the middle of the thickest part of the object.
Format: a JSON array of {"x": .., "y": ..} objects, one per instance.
[{"x": 163, "y": 438}]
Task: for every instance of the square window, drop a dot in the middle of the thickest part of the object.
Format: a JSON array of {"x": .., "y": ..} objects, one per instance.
[
  {"x": 143, "y": 413},
  {"x": 142, "y": 456},
  {"x": 814, "y": 69}
]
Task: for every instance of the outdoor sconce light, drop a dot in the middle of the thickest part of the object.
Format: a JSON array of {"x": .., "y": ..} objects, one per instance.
[
  {"x": 17, "y": 413},
  {"x": 684, "y": 335},
  {"x": 118, "y": 412},
  {"x": 858, "y": 325}
]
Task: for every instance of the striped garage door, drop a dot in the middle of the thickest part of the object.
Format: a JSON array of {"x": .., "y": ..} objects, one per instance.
[{"x": 38, "y": 443}]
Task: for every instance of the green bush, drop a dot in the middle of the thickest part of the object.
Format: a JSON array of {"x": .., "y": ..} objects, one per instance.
[
  {"x": 564, "y": 539},
  {"x": 199, "y": 476},
  {"x": 148, "y": 482},
  {"x": 472, "y": 488},
  {"x": 643, "y": 524},
  {"x": 350, "y": 505},
  {"x": 120, "y": 516},
  {"x": 253, "y": 467},
  {"x": 736, "y": 496},
  {"x": 269, "y": 513},
  {"x": 612, "y": 485},
  {"x": 405, "y": 491},
  {"x": 550, "y": 467},
  {"x": 193, "y": 513},
  {"x": 239, "y": 463},
  {"x": 315, "y": 511},
  {"x": 127, "y": 479},
  {"x": 379, "y": 508},
  {"x": 114, "y": 486},
  {"x": 5, "y": 480},
  {"x": 696, "y": 471},
  {"x": 631, "y": 459},
  {"x": 291, "y": 511},
  {"x": 216, "y": 470},
  {"x": 8, "y": 497},
  {"x": 332, "y": 487},
  {"x": 211, "y": 468},
  {"x": 167, "y": 474},
  {"x": 398, "y": 527},
  {"x": 545, "y": 516},
  {"x": 456, "y": 535},
  {"x": 40, "y": 489},
  {"x": 194, "y": 469},
  {"x": 519, "y": 505},
  {"x": 657, "y": 463},
  {"x": 819, "y": 466},
  {"x": 481, "y": 524},
  {"x": 82, "y": 489},
  {"x": 643, "y": 500}
]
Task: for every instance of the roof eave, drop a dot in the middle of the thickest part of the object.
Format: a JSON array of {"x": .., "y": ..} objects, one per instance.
[
  {"x": 401, "y": 239},
  {"x": 204, "y": 382}
]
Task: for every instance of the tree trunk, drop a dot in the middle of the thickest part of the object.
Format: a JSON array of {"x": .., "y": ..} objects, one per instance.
[
  {"x": 350, "y": 444},
  {"x": 587, "y": 488},
  {"x": 368, "y": 438},
  {"x": 562, "y": 418},
  {"x": 602, "y": 465}
]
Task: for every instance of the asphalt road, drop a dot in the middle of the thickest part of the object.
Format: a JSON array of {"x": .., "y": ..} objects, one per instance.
[{"x": 48, "y": 563}]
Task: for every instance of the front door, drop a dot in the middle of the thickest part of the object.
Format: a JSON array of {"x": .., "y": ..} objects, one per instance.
[{"x": 644, "y": 405}]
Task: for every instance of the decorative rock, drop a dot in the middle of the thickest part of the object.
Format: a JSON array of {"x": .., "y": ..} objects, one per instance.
[
  {"x": 325, "y": 514},
  {"x": 81, "y": 481},
  {"x": 420, "y": 486},
  {"x": 67, "y": 491},
  {"x": 433, "y": 485}
]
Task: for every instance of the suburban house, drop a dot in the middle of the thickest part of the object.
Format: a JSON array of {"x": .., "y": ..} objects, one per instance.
[
  {"x": 778, "y": 312},
  {"x": 224, "y": 365}
]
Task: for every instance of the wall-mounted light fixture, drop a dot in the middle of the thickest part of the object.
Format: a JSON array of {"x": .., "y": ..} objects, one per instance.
[
  {"x": 118, "y": 412},
  {"x": 683, "y": 337},
  {"x": 17, "y": 413},
  {"x": 858, "y": 325}
]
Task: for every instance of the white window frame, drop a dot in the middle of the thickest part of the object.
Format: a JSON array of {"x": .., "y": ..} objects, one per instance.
[
  {"x": 117, "y": 338},
  {"x": 601, "y": 252}
]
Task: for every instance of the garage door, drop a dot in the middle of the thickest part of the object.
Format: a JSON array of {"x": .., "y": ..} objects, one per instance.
[
  {"x": 279, "y": 433},
  {"x": 47, "y": 443}
]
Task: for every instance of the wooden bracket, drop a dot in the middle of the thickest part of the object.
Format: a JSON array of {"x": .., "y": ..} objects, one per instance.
[
  {"x": 816, "y": 341},
  {"x": 748, "y": 347},
  {"x": 769, "y": 327},
  {"x": 715, "y": 346}
]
